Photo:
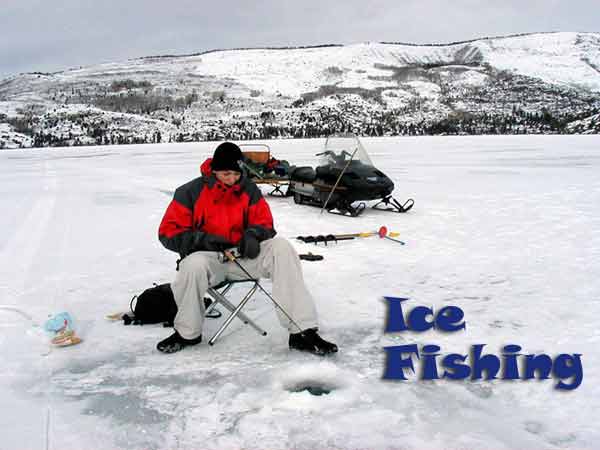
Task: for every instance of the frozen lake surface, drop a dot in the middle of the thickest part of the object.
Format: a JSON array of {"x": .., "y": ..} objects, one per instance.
[{"x": 506, "y": 228}]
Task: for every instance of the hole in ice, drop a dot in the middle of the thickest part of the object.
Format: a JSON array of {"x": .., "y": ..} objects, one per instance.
[
  {"x": 312, "y": 388},
  {"x": 311, "y": 385},
  {"x": 317, "y": 379}
]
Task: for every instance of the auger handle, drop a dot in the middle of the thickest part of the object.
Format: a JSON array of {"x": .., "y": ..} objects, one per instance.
[{"x": 383, "y": 233}]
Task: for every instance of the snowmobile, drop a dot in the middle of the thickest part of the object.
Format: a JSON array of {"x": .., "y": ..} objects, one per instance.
[{"x": 344, "y": 175}]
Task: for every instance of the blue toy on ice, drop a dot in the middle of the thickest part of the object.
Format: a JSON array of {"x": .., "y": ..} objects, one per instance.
[{"x": 60, "y": 322}]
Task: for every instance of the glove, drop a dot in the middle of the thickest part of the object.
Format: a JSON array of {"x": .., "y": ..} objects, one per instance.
[
  {"x": 212, "y": 243},
  {"x": 249, "y": 246}
]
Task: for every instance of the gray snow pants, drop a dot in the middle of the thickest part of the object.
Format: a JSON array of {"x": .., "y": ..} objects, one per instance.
[{"x": 277, "y": 260}]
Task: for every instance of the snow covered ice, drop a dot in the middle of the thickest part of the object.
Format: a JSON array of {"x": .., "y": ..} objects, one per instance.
[{"x": 506, "y": 228}]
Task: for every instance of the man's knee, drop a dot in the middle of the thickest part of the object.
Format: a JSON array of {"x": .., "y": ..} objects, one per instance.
[{"x": 281, "y": 246}]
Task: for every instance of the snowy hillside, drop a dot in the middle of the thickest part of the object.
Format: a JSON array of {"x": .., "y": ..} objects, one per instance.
[
  {"x": 506, "y": 228},
  {"x": 563, "y": 58},
  {"x": 534, "y": 83}
]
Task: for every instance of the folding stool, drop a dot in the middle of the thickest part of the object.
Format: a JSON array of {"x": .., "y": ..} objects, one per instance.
[{"x": 218, "y": 293}]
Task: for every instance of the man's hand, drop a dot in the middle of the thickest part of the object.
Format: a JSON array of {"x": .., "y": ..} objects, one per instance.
[
  {"x": 213, "y": 243},
  {"x": 249, "y": 246}
]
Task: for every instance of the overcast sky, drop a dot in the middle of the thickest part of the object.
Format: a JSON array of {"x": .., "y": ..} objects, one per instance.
[{"x": 46, "y": 36}]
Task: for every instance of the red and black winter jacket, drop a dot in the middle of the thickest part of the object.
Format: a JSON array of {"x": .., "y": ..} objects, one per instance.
[{"x": 205, "y": 206}]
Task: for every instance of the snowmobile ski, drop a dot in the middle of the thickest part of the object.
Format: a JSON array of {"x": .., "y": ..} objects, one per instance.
[{"x": 393, "y": 205}]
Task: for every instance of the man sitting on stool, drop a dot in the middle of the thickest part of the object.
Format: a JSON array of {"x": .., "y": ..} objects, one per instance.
[{"x": 219, "y": 210}]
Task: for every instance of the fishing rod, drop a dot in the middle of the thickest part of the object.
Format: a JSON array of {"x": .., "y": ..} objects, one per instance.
[{"x": 231, "y": 257}]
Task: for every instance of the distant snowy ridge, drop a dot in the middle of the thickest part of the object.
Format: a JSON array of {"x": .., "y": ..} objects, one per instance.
[
  {"x": 370, "y": 88},
  {"x": 561, "y": 58},
  {"x": 542, "y": 55}
]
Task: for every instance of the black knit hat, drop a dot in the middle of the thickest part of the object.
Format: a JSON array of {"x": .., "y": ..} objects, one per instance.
[{"x": 227, "y": 157}]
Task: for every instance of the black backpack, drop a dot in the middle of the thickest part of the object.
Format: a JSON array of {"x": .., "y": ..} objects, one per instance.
[
  {"x": 157, "y": 305},
  {"x": 154, "y": 305}
]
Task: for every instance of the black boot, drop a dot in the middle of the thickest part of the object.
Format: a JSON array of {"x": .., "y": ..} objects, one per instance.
[
  {"x": 310, "y": 341},
  {"x": 175, "y": 342}
]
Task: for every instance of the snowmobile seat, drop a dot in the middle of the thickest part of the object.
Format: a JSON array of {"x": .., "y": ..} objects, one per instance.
[
  {"x": 219, "y": 294},
  {"x": 304, "y": 174},
  {"x": 327, "y": 172}
]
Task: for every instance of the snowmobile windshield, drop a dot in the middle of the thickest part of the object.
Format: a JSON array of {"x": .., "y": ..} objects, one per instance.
[{"x": 339, "y": 150}]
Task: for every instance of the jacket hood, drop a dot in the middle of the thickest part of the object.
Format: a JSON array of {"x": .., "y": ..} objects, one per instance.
[{"x": 205, "y": 168}]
